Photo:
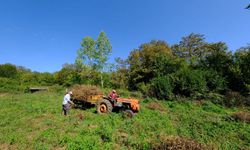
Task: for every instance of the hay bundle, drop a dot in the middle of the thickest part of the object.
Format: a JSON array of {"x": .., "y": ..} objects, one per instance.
[{"x": 84, "y": 92}]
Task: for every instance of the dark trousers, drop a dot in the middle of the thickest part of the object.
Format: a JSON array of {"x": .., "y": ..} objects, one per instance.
[{"x": 65, "y": 109}]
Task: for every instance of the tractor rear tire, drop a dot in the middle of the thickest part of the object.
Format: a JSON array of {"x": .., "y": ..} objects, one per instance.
[
  {"x": 128, "y": 114},
  {"x": 104, "y": 106}
]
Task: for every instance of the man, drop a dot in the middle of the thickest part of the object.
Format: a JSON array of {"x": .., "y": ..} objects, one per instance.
[
  {"x": 113, "y": 95},
  {"x": 66, "y": 103}
]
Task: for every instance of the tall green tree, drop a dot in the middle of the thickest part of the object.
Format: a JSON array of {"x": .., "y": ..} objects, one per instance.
[
  {"x": 142, "y": 62},
  {"x": 94, "y": 53},
  {"x": 103, "y": 50},
  {"x": 87, "y": 53},
  {"x": 191, "y": 47},
  {"x": 242, "y": 59}
]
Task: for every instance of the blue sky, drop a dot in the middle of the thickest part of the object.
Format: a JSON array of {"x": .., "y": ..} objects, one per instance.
[{"x": 44, "y": 34}]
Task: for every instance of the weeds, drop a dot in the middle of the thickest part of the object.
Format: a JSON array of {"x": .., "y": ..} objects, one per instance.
[
  {"x": 241, "y": 116},
  {"x": 33, "y": 121}
]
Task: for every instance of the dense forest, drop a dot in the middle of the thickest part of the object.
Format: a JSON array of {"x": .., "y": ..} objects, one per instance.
[{"x": 193, "y": 68}]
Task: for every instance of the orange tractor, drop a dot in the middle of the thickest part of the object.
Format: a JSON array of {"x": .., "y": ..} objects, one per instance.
[
  {"x": 105, "y": 104},
  {"x": 129, "y": 106}
]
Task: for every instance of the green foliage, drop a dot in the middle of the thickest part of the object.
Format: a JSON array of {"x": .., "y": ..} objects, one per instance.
[
  {"x": 94, "y": 53},
  {"x": 33, "y": 78},
  {"x": 162, "y": 87},
  {"x": 233, "y": 99},
  {"x": 103, "y": 50},
  {"x": 214, "y": 81},
  {"x": 7, "y": 85},
  {"x": 8, "y": 71},
  {"x": 142, "y": 60},
  {"x": 190, "y": 83},
  {"x": 68, "y": 76},
  {"x": 215, "y": 98},
  {"x": 242, "y": 58},
  {"x": 87, "y": 52},
  {"x": 192, "y": 47}
]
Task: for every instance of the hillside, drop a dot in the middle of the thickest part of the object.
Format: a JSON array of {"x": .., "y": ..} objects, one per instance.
[{"x": 33, "y": 121}]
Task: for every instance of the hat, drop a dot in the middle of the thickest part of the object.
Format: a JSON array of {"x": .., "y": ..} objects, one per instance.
[
  {"x": 70, "y": 92},
  {"x": 113, "y": 91}
]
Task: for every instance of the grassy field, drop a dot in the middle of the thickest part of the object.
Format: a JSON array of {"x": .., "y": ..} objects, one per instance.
[{"x": 33, "y": 121}]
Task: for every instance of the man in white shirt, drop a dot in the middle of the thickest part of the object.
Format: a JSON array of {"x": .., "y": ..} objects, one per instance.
[{"x": 66, "y": 103}]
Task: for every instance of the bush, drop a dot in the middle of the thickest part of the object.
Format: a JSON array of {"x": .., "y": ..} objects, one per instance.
[
  {"x": 162, "y": 88},
  {"x": 214, "y": 81},
  {"x": 234, "y": 99},
  {"x": 8, "y": 71},
  {"x": 190, "y": 83},
  {"x": 215, "y": 98},
  {"x": 10, "y": 85}
]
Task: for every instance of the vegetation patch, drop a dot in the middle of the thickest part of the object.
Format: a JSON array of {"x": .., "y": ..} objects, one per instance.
[
  {"x": 177, "y": 143},
  {"x": 156, "y": 106},
  {"x": 241, "y": 116},
  {"x": 5, "y": 146}
]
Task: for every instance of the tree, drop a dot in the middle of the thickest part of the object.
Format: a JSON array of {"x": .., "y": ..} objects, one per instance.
[
  {"x": 87, "y": 53},
  {"x": 119, "y": 77},
  {"x": 141, "y": 62},
  {"x": 8, "y": 71},
  {"x": 68, "y": 75},
  {"x": 94, "y": 53},
  {"x": 191, "y": 47},
  {"x": 103, "y": 50},
  {"x": 242, "y": 58},
  {"x": 219, "y": 58},
  {"x": 222, "y": 61}
]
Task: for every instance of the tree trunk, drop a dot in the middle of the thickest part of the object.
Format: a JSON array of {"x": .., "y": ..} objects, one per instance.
[{"x": 101, "y": 80}]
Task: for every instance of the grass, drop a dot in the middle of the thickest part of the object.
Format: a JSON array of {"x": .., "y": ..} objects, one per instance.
[{"x": 33, "y": 121}]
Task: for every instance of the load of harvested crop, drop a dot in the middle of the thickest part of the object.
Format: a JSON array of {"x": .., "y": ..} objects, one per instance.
[{"x": 84, "y": 92}]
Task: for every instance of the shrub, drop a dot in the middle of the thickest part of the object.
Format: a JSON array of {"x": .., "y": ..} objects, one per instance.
[
  {"x": 190, "y": 83},
  {"x": 234, "y": 99},
  {"x": 214, "y": 81},
  {"x": 210, "y": 107},
  {"x": 10, "y": 85},
  {"x": 8, "y": 71},
  {"x": 162, "y": 87},
  {"x": 215, "y": 98}
]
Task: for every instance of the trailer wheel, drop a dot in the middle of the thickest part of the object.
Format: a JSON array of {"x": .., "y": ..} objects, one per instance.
[
  {"x": 104, "y": 106},
  {"x": 128, "y": 114}
]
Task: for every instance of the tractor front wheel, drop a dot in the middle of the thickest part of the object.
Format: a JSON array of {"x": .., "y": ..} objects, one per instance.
[
  {"x": 104, "y": 106},
  {"x": 128, "y": 114}
]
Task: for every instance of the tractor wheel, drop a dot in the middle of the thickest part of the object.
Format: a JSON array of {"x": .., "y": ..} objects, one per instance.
[
  {"x": 104, "y": 106},
  {"x": 128, "y": 114}
]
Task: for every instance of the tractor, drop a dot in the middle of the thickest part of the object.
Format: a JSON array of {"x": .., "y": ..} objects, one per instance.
[
  {"x": 105, "y": 104},
  {"x": 128, "y": 106}
]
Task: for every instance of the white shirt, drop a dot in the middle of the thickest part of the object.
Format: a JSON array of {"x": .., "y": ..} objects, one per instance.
[{"x": 66, "y": 99}]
